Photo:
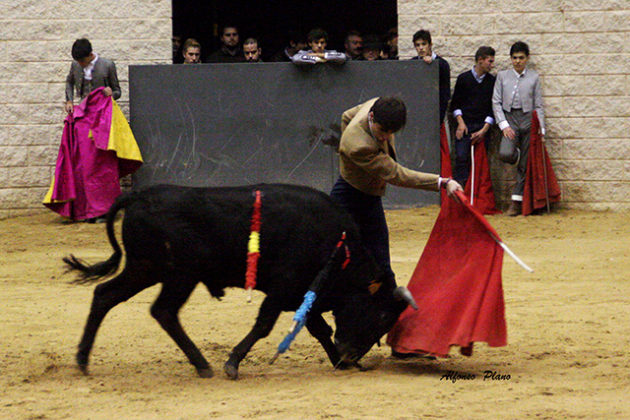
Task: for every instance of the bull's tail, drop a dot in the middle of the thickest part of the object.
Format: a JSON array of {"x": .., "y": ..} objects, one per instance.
[{"x": 95, "y": 272}]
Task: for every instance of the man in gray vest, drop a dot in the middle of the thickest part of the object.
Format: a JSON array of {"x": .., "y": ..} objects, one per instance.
[
  {"x": 88, "y": 72},
  {"x": 517, "y": 93}
]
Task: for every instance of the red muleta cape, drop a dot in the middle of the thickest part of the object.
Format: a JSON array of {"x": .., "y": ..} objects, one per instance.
[
  {"x": 483, "y": 195},
  {"x": 457, "y": 286},
  {"x": 534, "y": 195}
]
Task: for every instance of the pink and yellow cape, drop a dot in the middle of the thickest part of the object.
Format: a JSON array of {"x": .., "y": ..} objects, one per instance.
[{"x": 97, "y": 149}]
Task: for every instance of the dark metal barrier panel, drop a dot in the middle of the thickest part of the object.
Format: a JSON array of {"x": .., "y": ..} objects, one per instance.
[{"x": 236, "y": 124}]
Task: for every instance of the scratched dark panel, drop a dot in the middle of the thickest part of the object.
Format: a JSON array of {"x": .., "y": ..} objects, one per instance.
[{"x": 236, "y": 124}]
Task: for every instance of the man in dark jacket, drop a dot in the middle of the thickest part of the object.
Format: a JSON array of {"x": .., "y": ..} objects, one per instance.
[
  {"x": 472, "y": 108},
  {"x": 230, "y": 51},
  {"x": 424, "y": 47}
]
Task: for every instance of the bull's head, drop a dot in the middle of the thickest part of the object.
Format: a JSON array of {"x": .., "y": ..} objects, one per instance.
[{"x": 365, "y": 318}]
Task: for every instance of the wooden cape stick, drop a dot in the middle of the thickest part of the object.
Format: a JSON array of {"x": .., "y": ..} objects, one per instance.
[
  {"x": 511, "y": 254},
  {"x": 544, "y": 165},
  {"x": 462, "y": 198}
]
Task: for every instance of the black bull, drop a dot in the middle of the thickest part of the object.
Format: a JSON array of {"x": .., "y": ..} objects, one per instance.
[{"x": 180, "y": 236}]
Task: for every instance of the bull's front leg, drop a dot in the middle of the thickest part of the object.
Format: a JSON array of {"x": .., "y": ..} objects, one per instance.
[
  {"x": 319, "y": 329},
  {"x": 267, "y": 316}
]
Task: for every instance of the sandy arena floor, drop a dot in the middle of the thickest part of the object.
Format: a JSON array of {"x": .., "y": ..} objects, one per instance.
[{"x": 568, "y": 333}]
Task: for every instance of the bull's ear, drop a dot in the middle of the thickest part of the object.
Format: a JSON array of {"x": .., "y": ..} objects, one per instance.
[{"x": 402, "y": 293}]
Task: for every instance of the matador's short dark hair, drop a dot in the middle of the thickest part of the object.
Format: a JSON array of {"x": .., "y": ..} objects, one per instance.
[
  {"x": 390, "y": 112},
  {"x": 81, "y": 48}
]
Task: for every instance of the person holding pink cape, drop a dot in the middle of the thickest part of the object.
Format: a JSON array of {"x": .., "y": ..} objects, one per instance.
[
  {"x": 97, "y": 146},
  {"x": 97, "y": 149}
]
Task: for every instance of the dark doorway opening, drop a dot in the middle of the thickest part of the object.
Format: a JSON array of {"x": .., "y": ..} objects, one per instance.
[{"x": 270, "y": 21}]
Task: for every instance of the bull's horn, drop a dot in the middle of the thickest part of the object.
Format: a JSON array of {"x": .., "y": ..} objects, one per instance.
[{"x": 402, "y": 293}]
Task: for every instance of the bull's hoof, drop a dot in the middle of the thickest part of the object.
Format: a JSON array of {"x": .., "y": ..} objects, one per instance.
[
  {"x": 205, "y": 372},
  {"x": 82, "y": 362},
  {"x": 230, "y": 370},
  {"x": 84, "y": 370},
  {"x": 344, "y": 365}
]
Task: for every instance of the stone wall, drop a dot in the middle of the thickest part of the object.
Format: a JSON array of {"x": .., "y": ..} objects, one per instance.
[
  {"x": 581, "y": 50},
  {"x": 35, "y": 41},
  {"x": 579, "y": 47}
]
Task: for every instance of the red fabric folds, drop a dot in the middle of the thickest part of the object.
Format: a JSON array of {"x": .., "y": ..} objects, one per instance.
[
  {"x": 457, "y": 286},
  {"x": 446, "y": 170},
  {"x": 483, "y": 195},
  {"x": 445, "y": 155},
  {"x": 538, "y": 168}
]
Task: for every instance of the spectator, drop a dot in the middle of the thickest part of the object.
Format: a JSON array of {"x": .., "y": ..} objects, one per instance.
[
  {"x": 391, "y": 45},
  {"x": 251, "y": 50},
  {"x": 176, "y": 42},
  {"x": 230, "y": 50},
  {"x": 424, "y": 47},
  {"x": 372, "y": 48},
  {"x": 296, "y": 42},
  {"x": 317, "y": 40},
  {"x": 191, "y": 51},
  {"x": 517, "y": 92},
  {"x": 353, "y": 45},
  {"x": 89, "y": 164},
  {"x": 89, "y": 71},
  {"x": 472, "y": 107}
]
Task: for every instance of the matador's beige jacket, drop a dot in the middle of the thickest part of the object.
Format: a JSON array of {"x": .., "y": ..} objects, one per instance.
[{"x": 368, "y": 164}]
